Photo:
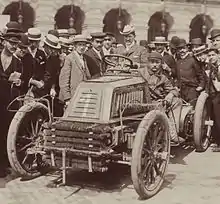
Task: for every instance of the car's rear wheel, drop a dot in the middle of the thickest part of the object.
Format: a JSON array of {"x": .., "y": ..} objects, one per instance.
[
  {"x": 202, "y": 123},
  {"x": 150, "y": 154},
  {"x": 24, "y": 139}
]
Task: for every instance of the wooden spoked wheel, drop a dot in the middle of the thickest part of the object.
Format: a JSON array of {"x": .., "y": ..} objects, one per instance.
[{"x": 150, "y": 154}]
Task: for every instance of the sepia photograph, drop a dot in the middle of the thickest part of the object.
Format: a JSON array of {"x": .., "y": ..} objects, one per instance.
[{"x": 109, "y": 101}]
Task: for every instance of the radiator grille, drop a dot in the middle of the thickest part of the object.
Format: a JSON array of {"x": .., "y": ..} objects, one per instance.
[
  {"x": 88, "y": 104},
  {"x": 121, "y": 98}
]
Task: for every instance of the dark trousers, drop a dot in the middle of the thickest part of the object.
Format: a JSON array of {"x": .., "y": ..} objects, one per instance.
[
  {"x": 216, "y": 117},
  {"x": 189, "y": 94}
]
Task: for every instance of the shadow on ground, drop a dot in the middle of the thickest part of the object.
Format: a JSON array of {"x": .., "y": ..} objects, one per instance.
[{"x": 179, "y": 153}]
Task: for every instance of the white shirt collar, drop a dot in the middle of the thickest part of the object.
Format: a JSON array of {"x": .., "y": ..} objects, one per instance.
[
  {"x": 97, "y": 52},
  {"x": 33, "y": 53}
]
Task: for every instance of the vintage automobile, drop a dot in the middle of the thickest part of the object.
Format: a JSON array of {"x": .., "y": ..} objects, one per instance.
[{"x": 110, "y": 119}]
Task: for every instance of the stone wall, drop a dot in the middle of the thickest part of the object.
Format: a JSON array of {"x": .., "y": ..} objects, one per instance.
[{"x": 140, "y": 10}]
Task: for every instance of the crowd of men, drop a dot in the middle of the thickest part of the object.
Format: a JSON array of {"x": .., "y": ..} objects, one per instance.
[{"x": 54, "y": 65}]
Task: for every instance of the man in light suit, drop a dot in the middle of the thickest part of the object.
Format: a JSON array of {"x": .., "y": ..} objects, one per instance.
[
  {"x": 138, "y": 54},
  {"x": 75, "y": 69}
]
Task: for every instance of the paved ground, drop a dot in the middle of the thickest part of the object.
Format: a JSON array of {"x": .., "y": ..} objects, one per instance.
[{"x": 192, "y": 178}]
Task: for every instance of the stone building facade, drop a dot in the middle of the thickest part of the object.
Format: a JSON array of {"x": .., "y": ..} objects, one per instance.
[{"x": 141, "y": 11}]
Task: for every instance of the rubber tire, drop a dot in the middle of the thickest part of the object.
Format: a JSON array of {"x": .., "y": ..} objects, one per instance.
[
  {"x": 12, "y": 136},
  {"x": 197, "y": 127},
  {"x": 148, "y": 120}
]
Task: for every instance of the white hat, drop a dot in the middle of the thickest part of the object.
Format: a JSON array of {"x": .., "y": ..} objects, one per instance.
[
  {"x": 160, "y": 40},
  {"x": 65, "y": 42},
  {"x": 34, "y": 34},
  {"x": 52, "y": 41},
  {"x": 127, "y": 30}
]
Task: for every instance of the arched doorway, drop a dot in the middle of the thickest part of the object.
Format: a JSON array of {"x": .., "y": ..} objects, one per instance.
[
  {"x": 200, "y": 26},
  {"x": 21, "y": 12},
  {"x": 114, "y": 21},
  {"x": 69, "y": 16},
  {"x": 159, "y": 24}
]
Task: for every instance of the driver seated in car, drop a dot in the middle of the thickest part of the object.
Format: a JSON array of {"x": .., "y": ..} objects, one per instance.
[{"x": 161, "y": 88}]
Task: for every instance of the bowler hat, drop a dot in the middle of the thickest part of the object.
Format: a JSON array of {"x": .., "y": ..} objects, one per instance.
[
  {"x": 181, "y": 43},
  {"x": 128, "y": 29},
  {"x": 214, "y": 33},
  {"x": 174, "y": 42},
  {"x": 12, "y": 37},
  {"x": 52, "y": 41},
  {"x": 13, "y": 26},
  {"x": 34, "y": 34}
]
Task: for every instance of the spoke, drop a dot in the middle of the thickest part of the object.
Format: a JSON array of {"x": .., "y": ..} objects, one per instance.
[
  {"x": 157, "y": 169},
  {"x": 37, "y": 126},
  {"x": 26, "y": 146},
  {"x": 32, "y": 129}
]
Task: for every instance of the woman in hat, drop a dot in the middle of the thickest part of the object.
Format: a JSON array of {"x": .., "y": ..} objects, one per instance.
[
  {"x": 75, "y": 69},
  {"x": 8, "y": 75}
]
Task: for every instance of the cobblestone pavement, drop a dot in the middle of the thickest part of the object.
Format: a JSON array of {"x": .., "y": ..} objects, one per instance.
[{"x": 192, "y": 178}]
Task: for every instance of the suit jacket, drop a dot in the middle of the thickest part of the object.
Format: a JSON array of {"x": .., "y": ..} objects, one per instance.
[
  {"x": 190, "y": 73},
  {"x": 170, "y": 61},
  {"x": 33, "y": 67},
  {"x": 94, "y": 62},
  {"x": 71, "y": 75},
  {"x": 159, "y": 84},
  {"x": 52, "y": 71},
  {"x": 138, "y": 54}
]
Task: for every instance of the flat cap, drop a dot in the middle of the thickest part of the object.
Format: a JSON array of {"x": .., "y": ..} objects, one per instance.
[
  {"x": 98, "y": 35},
  {"x": 155, "y": 55}
]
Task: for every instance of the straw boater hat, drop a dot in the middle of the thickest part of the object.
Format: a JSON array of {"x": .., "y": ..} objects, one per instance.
[
  {"x": 160, "y": 40},
  {"x": 52, "y": 41},
  {"x": 128, "y": 29},
  {"x": 200, "y": 50},
  {"x": 65, "y": 42},
  {"x": 34, "y": 34}
]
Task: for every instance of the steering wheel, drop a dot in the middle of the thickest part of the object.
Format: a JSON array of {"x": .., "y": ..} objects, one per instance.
[{"x": 118, "y": 63}]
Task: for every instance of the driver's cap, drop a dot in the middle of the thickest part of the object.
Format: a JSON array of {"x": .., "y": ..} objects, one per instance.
[{"x": 155, "y": 55}]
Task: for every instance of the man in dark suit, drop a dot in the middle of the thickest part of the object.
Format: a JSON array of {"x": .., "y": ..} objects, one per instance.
[
  {"x": 94, "y": 55},
  {"x": 34, "y": 63},
  {"x": 191, "y": 77}
]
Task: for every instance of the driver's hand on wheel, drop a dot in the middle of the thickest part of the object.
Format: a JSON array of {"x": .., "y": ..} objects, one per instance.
[{"x": 169, "y": 98}]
